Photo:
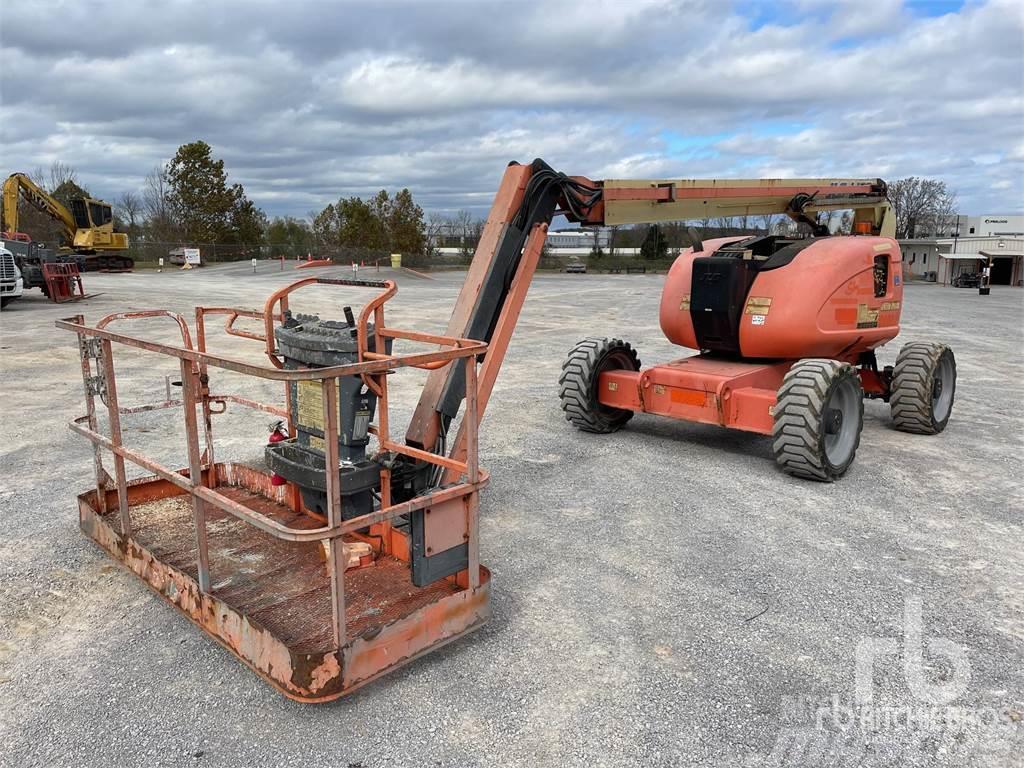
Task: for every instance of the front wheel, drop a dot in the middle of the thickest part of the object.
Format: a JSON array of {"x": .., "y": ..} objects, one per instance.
[
  {"x": 577, "y": 386},
  {"x": 923, "y": 388},
  {"x": 819, "y": 415}
]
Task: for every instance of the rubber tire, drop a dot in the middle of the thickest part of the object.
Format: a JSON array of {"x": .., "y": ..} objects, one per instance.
[
  {"x": 577, "y": 386},
  {"x": 910, "y": 401},
  {"x": 798, "y": 436}
]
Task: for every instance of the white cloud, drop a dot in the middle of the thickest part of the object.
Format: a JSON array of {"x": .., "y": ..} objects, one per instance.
[
  {"x": 407, "y": 86},
  {"x": 312, "y": 101}
]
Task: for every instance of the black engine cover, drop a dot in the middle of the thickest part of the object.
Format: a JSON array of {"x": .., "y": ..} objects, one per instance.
[{"x": 718, "y": 293}]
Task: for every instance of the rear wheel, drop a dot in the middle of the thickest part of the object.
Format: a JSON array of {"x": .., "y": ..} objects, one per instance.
[
  {"x": 923, "y": 388},
  {"x": 819, "y": 415},
  {"x": 578, "y": 383}
]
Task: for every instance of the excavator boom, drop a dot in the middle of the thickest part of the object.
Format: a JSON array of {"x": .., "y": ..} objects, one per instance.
[
  {"x": 20, "y": 183},
  {"x": 87, "y": 228}
]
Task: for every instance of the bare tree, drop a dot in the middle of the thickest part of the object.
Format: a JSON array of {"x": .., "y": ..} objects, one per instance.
[
  {"x": 786, "y": 227},
  {"x": 435, "y": 228},
  {"x": 61, "y": 173},
  {"x": 462, "y": 228},
  {"x": 944, "y": 216},
  {"x": 156, "y": 205},
  {"x": 768, "y": 222},
  {"x": 921, "y": 206},
  {"x": 129, "y": 210}
]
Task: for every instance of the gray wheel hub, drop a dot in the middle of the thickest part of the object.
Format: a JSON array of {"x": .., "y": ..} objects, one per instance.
[
  {"x": 942, "y": 388},
  {"x": 841, "y": 414},
  {"x": 833, "y": 421}
]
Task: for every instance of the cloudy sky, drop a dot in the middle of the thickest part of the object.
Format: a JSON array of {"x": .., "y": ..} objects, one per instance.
[{"x": 309, "y": 101}]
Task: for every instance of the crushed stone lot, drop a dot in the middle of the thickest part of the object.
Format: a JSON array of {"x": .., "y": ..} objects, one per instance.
[{"x": 662, "y": 596}]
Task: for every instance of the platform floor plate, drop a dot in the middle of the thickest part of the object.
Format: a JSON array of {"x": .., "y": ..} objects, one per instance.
[
  {"x": 281, "y": 585},
  {"x": 270, "y": 599}
]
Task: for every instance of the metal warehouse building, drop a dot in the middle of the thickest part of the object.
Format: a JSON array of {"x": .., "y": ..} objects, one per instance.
[{"x": 978, "y": 241}]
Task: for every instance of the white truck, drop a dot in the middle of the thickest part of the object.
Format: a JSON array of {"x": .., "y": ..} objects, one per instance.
[{"x": 11, "y": 284}]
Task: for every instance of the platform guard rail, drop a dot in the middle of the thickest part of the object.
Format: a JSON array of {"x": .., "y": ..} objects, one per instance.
[{"x": 96, "y": 345}]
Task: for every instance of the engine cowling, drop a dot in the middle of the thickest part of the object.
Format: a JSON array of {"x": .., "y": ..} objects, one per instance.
[{"x": 772, "y": 298}]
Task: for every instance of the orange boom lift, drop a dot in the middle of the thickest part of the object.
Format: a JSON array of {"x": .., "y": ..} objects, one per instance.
[{"x": 354, "y": 552}]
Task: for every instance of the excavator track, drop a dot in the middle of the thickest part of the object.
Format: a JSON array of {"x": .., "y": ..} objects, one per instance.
[{"x": 108, "y": 263}]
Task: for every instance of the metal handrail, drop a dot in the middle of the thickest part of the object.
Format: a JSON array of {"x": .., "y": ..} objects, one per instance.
[
  {"x": 280, "y": 297},
  {"x": 186, "y": 336},
  {"x": 372, "y": 367},
  {"x": 459, "y": 348},
  {"x": 274, "y": 528}
]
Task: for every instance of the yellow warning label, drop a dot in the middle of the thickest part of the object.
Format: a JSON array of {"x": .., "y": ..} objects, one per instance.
[
  {"x": 866, "y": 318},
  {"x": 659, "y": 389},
  {"x": 311, "y": 404},
  {"x": 613, "y": 386},
  {"x": 758, "y": 305},
  {"x": 317, "y": 443},
  {"x": 889, "y": 306},
  {"x": 684, "y": 304}
]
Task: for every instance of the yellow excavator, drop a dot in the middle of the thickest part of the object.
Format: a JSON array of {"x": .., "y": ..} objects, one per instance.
[{"x": 88, "y": 227}]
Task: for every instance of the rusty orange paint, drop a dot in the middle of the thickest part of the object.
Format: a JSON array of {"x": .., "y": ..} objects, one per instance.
[
  {"x": 425, "y": 425},
  {"x": 299, "y": 673},
  {"x": 307, "y": 624},
  {"x": 401, "y": 642}
]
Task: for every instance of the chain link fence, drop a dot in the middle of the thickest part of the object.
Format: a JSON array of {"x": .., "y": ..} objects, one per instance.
[{"x": 146, "y": 252}]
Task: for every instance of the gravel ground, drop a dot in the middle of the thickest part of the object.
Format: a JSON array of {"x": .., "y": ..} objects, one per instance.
[{"x": 661, "y": 596}]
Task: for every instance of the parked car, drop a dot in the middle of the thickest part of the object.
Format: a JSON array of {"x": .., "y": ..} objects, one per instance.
[{"x": 576, "y": 268}]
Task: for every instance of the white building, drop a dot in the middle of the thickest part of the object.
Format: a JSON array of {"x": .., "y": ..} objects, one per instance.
[
  {"x": 942, "y": 259},
  {"x": 580, "y": 237},
  {"x": 987, "y": 225}
]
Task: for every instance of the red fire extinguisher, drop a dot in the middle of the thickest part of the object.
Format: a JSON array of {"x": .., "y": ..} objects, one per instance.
[{"x": 276, "y": 436}]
